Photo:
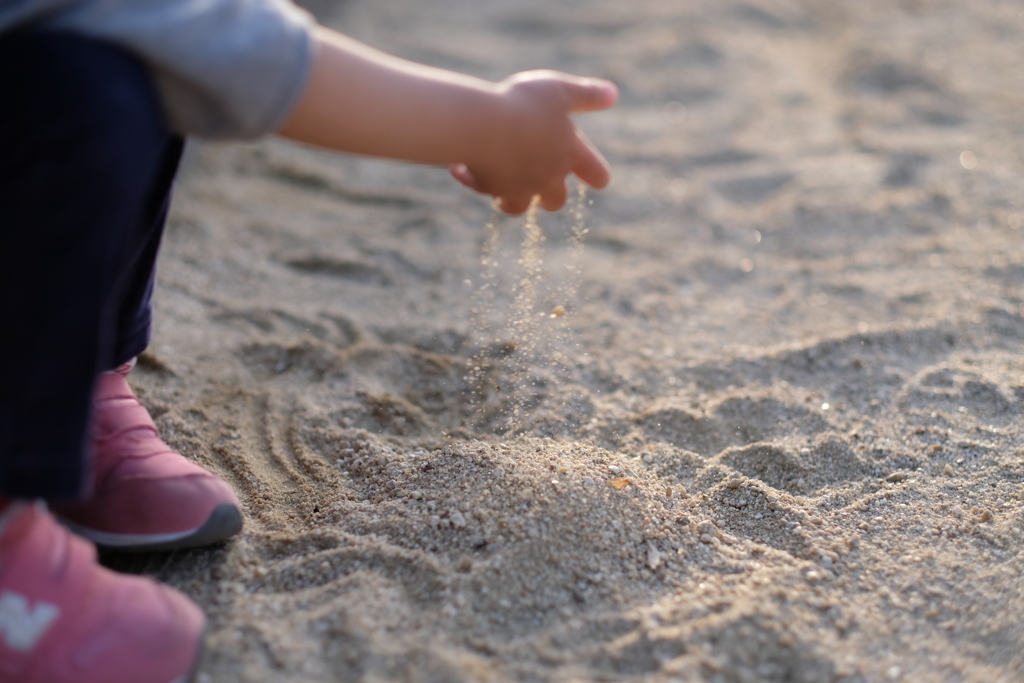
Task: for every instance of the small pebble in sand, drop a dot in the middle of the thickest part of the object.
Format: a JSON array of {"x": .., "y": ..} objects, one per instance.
[
  {"x": 458, "y": 520},
  {"x": 654, "y": 556},
  {"x": 557, "y": 312},
  {"x": 619, "y": 483},
  {"x": 948, "y": 469}
]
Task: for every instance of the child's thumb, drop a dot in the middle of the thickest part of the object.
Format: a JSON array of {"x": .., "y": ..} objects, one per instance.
[{"x": 591, "y": 94}]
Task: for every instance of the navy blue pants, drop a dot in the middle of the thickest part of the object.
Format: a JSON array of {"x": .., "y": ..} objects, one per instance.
[{"x": 86, "y": 165}]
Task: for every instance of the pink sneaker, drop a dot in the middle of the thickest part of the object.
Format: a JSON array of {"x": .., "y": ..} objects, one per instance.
[
  {"x": 146, "y": 496},
  {"x": 65, "y": 619}
]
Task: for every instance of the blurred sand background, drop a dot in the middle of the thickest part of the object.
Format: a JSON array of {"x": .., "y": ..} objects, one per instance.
[{"x": 774, "y": 437}]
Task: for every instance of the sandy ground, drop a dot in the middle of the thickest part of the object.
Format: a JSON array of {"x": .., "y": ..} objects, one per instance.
[{"x": 775, "y": 435}]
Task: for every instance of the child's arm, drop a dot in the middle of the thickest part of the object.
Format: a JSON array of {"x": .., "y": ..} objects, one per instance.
[{"x": 512, "y": 140}]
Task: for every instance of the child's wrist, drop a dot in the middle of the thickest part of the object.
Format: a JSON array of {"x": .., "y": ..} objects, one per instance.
[{"x": 485, "y": 126}]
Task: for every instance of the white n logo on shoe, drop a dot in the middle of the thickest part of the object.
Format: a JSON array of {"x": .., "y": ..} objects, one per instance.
[{"x": 22, "y": 628}]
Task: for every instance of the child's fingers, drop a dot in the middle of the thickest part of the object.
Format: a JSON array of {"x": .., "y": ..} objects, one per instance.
[
  {"x": 554, "y": 197},
  {"x": 589, "y": 165},
  {"x": 513, "y": 206},
  {"x": 590, "y": 94}
]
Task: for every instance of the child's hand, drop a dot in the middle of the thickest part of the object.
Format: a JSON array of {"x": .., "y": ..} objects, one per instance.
[
  {"x": 513, "y": 140},
  {"x": 534, "y": 144}
]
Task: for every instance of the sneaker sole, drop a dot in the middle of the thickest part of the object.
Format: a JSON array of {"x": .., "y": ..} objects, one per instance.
[{"x": 224, "y": 522}]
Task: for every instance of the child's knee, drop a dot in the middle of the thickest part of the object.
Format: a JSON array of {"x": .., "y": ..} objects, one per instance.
[{"x": 79, "y": 106}]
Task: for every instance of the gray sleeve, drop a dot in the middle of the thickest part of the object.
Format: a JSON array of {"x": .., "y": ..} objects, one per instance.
[{"x": 225, "y": 68}]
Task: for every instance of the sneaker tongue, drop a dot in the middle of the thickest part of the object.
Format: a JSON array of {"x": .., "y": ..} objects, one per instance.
[
  {"x": 112, "y": 385},
  {"x": 122, "y": 415},
  {"x": 29, "y": 528},
  {"x": 124, "y": 368},
  {"x": 9, "y": 509}
]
